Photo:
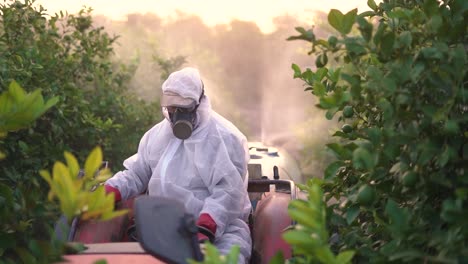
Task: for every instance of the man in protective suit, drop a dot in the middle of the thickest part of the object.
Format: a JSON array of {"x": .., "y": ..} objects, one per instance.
[{"x": 197, "y": 157}]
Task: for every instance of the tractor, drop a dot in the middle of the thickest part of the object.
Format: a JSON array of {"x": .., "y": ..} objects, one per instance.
[{"x": 138, "y": 238}]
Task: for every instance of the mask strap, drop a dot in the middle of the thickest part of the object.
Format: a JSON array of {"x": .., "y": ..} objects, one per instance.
[
  {"x": 201, "y": 96},
  {"x": 202, "y": 92}
]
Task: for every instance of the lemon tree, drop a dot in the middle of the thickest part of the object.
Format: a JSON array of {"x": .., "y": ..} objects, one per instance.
[{"x": 398, "y": 189}]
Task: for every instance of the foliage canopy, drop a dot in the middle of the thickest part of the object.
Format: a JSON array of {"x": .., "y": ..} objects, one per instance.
[
  {"x": 71, "y": 63},
  {"x": 398, "y": 190}
]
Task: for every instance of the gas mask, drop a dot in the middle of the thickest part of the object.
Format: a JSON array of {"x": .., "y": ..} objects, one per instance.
[{"x": 182, "y": 120}]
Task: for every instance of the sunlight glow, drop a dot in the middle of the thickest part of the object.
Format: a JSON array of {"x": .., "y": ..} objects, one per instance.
[{"x": 212, "y": 12}]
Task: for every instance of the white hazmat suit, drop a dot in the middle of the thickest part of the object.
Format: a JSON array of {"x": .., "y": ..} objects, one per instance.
[{"x": 207, "y": 172}]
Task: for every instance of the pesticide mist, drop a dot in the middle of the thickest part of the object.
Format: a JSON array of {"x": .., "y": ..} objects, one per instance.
[{"x": 246, "y": 73}]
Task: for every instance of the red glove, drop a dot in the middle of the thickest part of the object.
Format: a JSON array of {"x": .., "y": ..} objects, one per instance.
[
  {"x": 110, "y": 189},
  {"x": 207, "y": 222}
]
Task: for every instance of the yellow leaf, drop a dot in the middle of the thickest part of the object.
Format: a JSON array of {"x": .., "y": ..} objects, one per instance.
[
  {"x": 2, "y": 155},
  {"x": 109, "y": 215},
  {"x": 96, "y": 212},
  {"x": 72, "y": 164},
  {"x": 93, "y": 162},
  {"x": 109, "y": 202},
  {"x": 88, "y": 185},
  {"x": 82, "y": 201},
  {"x": 103, "y": 175},
  {"x": 89, "y": 215},
  {"x": 16, "y": 91},
  {"x": 66, "y": 206},
  {"x": 62, "y": 176},
  {"x": 96, "y": 198},
  {"x": 78, "y": 184},
  {"x": 52, "y": 184},
  {"x": 6, "y": 104},
  {"x": 46, "y": 176},
  {"x": 50, "y": 196},
  {"x": 59, "y": 170},
  {"x": 30, "y": 107}
]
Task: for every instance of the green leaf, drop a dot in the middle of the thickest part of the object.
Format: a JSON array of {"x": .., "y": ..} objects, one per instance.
[
  {"x": 322, "y": 42},
  {"x": 320, "y": 74},
  {"x": 374, "y": 135},
  {"x": 386, "y": 45},
  {"x": 374, "y": 73},
  {"x": 25, "y": 255},
  {"x": 301, "y": 238},
  {"x": 354, "y": 48},
  {"x": 339, "y": 151},
  {"x": 367, "y": 14},
  {"x": 349, "y": 20},
  {"x": 6, "y": 193},
  {"x": 74, "y": 247},
  {"x": 308, "y": 76},
  {"x": 398, "y": 217},
  {"x": 278, "y": 258},
  {"x": 427, "y": 152},
  {"x": 351, "y": 214},
  {"x": 233, "y": 255},
  {"x": 319, "y": 89},
  {"x": 331, "y": 113},
  {"x": 51, "y": 102},
  {"x": 325, "y": 255},
  {"x": 445, "y": 156},
  {"x": 334, "y": 74},
  {"x": 335, "y": 19},
  {"x": 407, "y": 255},
  {"x": 365, "y": 28},
  {"x": 435, "y": 23},
  {"x": 353, "y": 80},
  {"x": 379, "y": 33},
  {"x": 387, "y": 109},
  {"x": 297, "y": 71},
  {"x": 389, "y": 84},
  {"x": 406, "y": 38},
  {"x": 345, "y": 257},
  {"x": 431, "y": 53},
  {"x": 307, "y": 35},
  {"x": 459, "y": 59},
  {"x": 362, "y": 159},
  {"x": 451, "y": 210},
  {"x": 462, "y": 193},
  {"x": 389, "y": 248},
  {"x": 372, "y": 5},
  {"x": 300, "y": 30},
  {"x": 342, "y": 23},
  {"x": 327, "y": 102},
  {"x": 332, "y": 169},
  {"x": 305, "y": 218}
]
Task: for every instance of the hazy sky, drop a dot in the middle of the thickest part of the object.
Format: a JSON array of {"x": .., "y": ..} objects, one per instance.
[{"x": 211, "y": 11}]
